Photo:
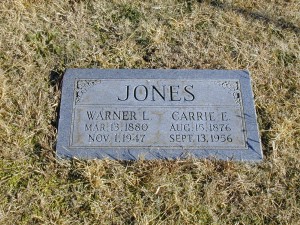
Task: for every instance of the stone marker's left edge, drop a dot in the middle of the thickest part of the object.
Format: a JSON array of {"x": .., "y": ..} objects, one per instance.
[{"x": 65, "y": 116}]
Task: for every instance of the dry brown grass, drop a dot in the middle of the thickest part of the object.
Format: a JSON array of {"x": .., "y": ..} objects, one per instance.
[{"x": 40, "y": 39}]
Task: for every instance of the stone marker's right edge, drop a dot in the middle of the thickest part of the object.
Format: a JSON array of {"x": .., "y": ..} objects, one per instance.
[{"x": 254, "y": 151}]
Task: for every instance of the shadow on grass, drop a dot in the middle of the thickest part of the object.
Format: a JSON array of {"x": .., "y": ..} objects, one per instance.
[
  {"x": 280, "y": 23},
  {"x": 55, "y": 80},
  {"x": 265, "y": 124}
]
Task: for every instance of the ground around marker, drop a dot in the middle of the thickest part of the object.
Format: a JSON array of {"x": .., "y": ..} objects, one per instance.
[{"x": 39, "y": 40}]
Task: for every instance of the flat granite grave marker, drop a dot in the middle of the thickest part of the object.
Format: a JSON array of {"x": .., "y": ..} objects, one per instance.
[{"x": 157, "y": 114}]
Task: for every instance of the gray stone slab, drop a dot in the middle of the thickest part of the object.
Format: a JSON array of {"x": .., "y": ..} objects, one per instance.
[{"x": 158, "y": 114}]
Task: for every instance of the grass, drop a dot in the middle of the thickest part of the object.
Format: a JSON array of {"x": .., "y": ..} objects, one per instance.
[{"x": 40, "y": 39}]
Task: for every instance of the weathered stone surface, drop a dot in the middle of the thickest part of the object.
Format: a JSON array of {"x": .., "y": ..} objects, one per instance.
[{"x": 130, "y": 114}]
